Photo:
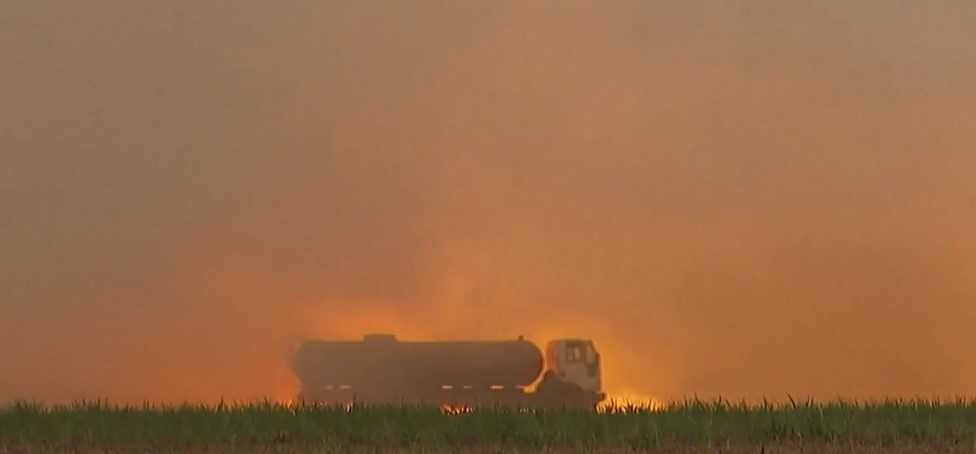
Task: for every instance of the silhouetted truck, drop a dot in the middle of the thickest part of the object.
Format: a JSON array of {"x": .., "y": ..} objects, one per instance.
[{"x": 382, "y": 369}]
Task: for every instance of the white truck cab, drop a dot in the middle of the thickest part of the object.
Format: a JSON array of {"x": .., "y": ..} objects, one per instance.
[{"x": 575, "y": 361}]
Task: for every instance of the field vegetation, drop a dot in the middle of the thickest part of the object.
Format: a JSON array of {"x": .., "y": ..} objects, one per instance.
[{"x": 689, "y": 426}]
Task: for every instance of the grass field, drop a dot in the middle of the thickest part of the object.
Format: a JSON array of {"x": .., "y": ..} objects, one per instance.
[{"x": 692, "y": 426}]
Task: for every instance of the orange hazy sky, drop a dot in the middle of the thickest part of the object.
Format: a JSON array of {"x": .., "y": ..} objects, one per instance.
[{"x": 744, "y": 198}]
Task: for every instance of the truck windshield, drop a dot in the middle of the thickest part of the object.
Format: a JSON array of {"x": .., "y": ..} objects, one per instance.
[{"x": 574, "y": 354}]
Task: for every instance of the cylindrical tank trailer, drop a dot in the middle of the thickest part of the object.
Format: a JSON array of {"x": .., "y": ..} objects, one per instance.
[{"x": 382, "y": 369}]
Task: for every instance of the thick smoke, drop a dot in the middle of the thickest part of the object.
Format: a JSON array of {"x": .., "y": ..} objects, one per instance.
[{"x": 737, "y": 198}]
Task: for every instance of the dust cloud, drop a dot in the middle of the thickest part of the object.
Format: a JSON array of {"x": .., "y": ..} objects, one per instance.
[{"x": 732, "y": 198}]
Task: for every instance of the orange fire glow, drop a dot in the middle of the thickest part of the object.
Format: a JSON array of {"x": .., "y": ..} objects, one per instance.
[{"x": 626, "y": 399}]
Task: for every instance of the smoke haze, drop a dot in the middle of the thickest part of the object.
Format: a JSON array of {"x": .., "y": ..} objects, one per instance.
[{"x": 735, "y": 198}]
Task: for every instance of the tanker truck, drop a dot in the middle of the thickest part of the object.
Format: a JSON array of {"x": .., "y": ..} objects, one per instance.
[{"x": 380, "y": 369}]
